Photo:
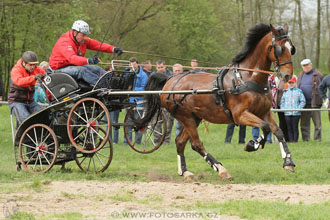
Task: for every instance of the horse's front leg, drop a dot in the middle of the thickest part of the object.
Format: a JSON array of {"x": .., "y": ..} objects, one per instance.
[
  {"x": 286, "y": 155},
  {"x": 247, "y": 118},
  {"x": 197, "y": 145}
]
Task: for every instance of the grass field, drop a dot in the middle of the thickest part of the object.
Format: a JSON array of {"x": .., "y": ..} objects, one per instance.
[{"x": 312, "y": 161}]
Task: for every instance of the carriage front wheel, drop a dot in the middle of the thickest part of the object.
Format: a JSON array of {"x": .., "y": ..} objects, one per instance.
[
  {"x": 38, "y": 148},
  {"x": 88, "y": 125},
  {"x": 95, "y": 162},
  {"x": 148, "y": 138}
]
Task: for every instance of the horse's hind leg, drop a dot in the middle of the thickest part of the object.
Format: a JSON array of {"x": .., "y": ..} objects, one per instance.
[
  {"x": 181, "y": 141},
  {"x": 197, "y": 145}
]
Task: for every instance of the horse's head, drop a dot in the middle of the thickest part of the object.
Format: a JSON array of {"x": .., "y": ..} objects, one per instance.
[{"x": 280, "y": 51}]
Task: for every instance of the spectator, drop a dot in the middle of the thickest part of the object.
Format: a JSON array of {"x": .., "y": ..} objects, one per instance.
[
  {"x": 293, "y": 98},
  {"x": 147, "y": 67},
  {"x": 44, "y": 65},
  {"x": 230, "y": 132},
  {"x": 309, "y": 81},
  {"x": 23, "y": 79},
  {"x": 177, "y": 69},
  {"x": 194, "y": 66},
  {"x": 161, "y": 68},
  {"x": 69, "y": 51},
  {"x": 39, "y": 93},
  {"x": 140, "y": 83},
  {"x": 323, "y": 87},
  {"x": 281, "y": 118}
]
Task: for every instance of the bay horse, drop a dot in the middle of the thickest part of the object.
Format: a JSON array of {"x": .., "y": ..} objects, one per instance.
[{"x": 241, "y": 97}]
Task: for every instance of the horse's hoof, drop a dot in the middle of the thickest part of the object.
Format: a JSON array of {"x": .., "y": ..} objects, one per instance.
[
  {"x": 289, "y": 168},
  {"x": 223, "y": 173},
  {"x": 250, "y": 146},
  {"x": 188, "y": 176}
]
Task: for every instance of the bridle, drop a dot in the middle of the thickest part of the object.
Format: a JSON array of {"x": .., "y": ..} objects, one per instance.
[{"x": 278, "y": 50}]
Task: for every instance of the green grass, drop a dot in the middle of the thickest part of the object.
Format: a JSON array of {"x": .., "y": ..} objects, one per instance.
[
  {"x": 248, "y": 209},
  {"x": 264, "y": 166}
]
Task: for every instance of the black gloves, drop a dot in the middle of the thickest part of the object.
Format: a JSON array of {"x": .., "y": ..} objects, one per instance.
[
  {"x": 39, "y": 76},
  {"x": 118, "y": 51},
  {"x": 93, "y": 60}
]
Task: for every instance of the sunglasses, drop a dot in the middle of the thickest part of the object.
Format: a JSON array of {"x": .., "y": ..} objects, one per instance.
[{"x": 291, "y": 82}]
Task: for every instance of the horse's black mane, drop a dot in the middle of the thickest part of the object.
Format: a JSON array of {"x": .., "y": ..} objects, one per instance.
[{"x": 252, "y": 38}]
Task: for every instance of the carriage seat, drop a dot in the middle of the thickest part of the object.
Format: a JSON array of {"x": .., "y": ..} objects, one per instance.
[{"x": 61, "y": 84}]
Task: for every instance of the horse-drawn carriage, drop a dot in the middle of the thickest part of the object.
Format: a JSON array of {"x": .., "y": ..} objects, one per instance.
[{"x": 77, "y": 124}]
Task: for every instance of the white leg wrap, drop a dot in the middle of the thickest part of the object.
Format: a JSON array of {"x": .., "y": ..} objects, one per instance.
[
  {"x": 282, "y": 150},
  {"x": 179, "y": 165}
]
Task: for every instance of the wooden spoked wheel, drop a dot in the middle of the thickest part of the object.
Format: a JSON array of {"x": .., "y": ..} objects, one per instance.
[
  {"x": 38, "y": 148},
  {"x": 95, "y": 162},
  {"x": 148, "y": 138},
  {"x": 89, "y": 125}
]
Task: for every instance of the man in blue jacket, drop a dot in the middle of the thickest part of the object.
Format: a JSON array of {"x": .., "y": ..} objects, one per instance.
[{"x": 140, "y": 83}]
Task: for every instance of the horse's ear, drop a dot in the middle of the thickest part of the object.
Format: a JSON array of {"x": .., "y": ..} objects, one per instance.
[
  {"x": 275, "y": 32},
  {"x": 286, "y": 28}
]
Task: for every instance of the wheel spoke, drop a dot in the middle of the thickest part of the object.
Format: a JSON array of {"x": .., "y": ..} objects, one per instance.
[
  {"x": 93, "y": 108},
  {"x": 82, "y": 160},
  {"x": 31, "y": 157},
  {"x": 35, "y": 135},
  {"x": 36, "y": 162},
  {"x": 42, "y": 133},
  {"x": 31, "y": 139},
  {"x": 45, "y": 158},
  {"x": 89, "y": 164},
  {"x": 100, "y": 160},
  {"x": 94, "y": 163},
  {"x": 26, "y": 145},
  {"x": 97, "y": 133},
  {"x": 79, "y": 133},
  {"x": 101, "y": 154},
  {"x": 40, "y": 161},
  {"x": 80, "y": 116},
  {"x": 84, "y": 107}
]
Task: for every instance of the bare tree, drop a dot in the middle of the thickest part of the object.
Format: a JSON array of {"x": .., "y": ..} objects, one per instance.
[
  {"x": 318, "y": 34},
  {"x": 328, "y": 25},
  {"x": 301, "y": 31}
]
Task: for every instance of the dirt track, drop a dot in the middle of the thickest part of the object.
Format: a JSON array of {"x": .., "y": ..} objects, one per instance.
[{"x": 104, "y": 200}]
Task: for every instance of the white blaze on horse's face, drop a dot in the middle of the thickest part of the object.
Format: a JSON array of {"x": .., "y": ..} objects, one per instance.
[{"x": 288, "y": 45}]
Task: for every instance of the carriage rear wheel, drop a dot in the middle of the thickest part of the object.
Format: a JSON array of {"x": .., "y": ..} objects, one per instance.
[
  {"x": 148, "y": 138},
  {"x": 95, "y": 162},
  {"x": 38, "y": 148},
  {"x": 88, "y": 125}
]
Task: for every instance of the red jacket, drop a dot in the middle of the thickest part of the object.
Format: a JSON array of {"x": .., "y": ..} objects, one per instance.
[
  {"x": 22, "y": 85},
  {"x": 65, "y": 51}
]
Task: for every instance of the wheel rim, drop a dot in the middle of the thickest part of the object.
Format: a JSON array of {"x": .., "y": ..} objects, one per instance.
[
  {"x": 152, "y": 135},
  {"x": 95, "y": 162},
  {"x": 88, "y": 122},
  {"x": 38, "y": 148}
]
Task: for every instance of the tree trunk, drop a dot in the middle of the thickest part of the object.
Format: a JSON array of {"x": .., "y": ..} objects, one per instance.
[
  {"x": 328, "y": 25},
  {"x": 301, "y": 31},
  {"x": 318, "y": 34}
]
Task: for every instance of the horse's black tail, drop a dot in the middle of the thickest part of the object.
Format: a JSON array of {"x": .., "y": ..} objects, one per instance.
[{"x": 155, "y": 82}]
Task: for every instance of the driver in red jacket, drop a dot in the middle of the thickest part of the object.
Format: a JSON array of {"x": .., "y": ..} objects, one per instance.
[
  {"x": 23, "y": 79},
  {"x": 69, "y": 51}
]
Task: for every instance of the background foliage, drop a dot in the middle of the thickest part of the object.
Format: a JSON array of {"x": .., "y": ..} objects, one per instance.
[{"x": 210, "y": 31}]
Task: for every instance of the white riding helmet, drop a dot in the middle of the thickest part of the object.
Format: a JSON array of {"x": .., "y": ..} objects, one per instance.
[{"x": 81, "y": 26}]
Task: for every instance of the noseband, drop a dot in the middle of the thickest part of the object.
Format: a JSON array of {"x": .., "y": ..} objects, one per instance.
[{"x": 278, "y": 51}]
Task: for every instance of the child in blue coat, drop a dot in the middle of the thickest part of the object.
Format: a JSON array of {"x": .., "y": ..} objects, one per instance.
[{"x": 293, "y": 98}]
